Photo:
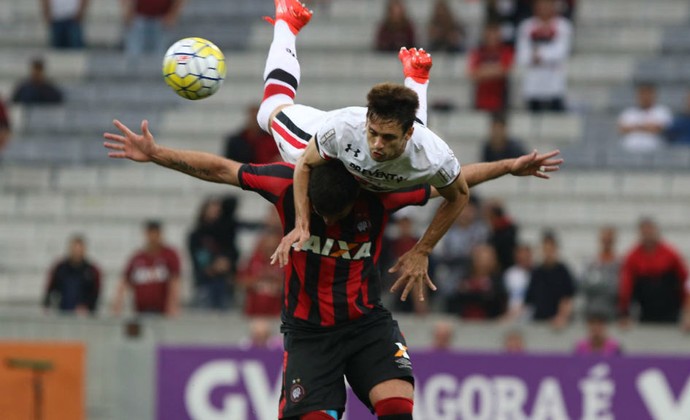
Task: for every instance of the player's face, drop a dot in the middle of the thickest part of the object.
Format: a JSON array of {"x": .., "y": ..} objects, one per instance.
[
  {"x": 386, "y": 139},
  {"x": 330, "y": 219}
]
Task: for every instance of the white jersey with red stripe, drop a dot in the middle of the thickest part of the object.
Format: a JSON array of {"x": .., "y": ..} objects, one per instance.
[{"x": 427, "y": 159}]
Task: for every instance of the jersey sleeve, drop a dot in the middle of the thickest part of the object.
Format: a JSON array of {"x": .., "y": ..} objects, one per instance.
[
  {"x": 270, "y": 181},
  {"x": 417, "y": 195},
  {"x": 448, "y": 170},
  {"x": 328, "y": 138}
]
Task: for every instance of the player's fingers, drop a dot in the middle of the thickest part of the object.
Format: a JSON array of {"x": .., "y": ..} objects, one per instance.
[
  {"x": 421, "y": 294},
  {"x": 407, "y": 289},
  {"x": 122, "y": 127},
  {"x": 117, "y": 155},
  {"x": 397, "y": 284},
  {"x": 395, "y": 267},
  {"x": 542, "y": 175},
  {"x": 550, "y": 154},
  {"x": 114, "y": 137},
  {"x": 550, "y": 168},
  {"x": 113, "y": 146},
  {"x": 274, "y": 258},
  {"x": 145, "y": 128},
  {"x": 552, "y": 162},
  {"x": 430, "y": 283}
]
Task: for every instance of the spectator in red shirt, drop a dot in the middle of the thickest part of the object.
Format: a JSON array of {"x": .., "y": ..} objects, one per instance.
[
  {"x": 396, "y": 30},
  {"x": 5, "y": 126},
  {"x": 147, "y": 23},
  {"x": 153, "y": 276},
  {"x": 489, "y": 68},
  {"x": 262, "y": 280},
  {"x": 251, "y": 144},
  {"x": 481, "y": 294},
  {"x": 655, "y": 276}
]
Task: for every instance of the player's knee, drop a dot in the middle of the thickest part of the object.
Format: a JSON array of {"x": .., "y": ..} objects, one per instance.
[
  {"x": 395, "y": 408},
  {"x": 263, "y": 116},
  {"x": 321, "y": 415}
]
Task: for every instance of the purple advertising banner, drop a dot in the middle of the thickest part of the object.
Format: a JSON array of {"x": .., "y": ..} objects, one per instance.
[{"x": 229, "y": 384}]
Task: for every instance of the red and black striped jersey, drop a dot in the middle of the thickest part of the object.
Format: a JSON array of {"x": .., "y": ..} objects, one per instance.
[{"x": 335, "y": 278}]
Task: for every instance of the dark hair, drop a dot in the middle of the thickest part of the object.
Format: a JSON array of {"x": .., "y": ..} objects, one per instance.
[
  {"x": 331, "y": 188},
  {"x": 392, "y": 102},
  {"x": 153, "y": 224},
  {"x": 549, "y": 235}
]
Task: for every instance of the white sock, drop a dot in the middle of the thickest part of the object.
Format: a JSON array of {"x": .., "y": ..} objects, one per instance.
[
  {"x": 283, "y": 52},
  {"x": 421, "y": 90}
]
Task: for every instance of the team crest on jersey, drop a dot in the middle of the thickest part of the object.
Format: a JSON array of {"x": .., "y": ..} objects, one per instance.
[
  {"x": 326, "y": 138},
  {"x": 337, "y": 249},
  {"x": 363, "y": 226},
  {"x": 297, "y": 391}
]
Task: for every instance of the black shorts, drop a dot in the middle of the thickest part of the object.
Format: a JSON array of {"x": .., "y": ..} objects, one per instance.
[{"x": 366, "y": 353}]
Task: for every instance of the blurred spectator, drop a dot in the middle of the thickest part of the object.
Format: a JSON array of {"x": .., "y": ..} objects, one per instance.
[
  {"x": 543, "y": 47},
  {"x": 516, "y": 280},
  {"x": 503, "y": 234},
  {"x": 642, "y": 126},
  {"x": 453, "y": 253},
  {"x": 598, "y": 341},
  {"x": 65, "y": 20},
  {"x": 679, "y": 130},
  {"x": 514, "y": 342},
  {"x": 405, "y": 238},
  {"x": 264, "y": 281},
  {"x": 251, "y": 143},
  {"x": 153, "y": 276},
  {"x": 655, "y": 276},
  {"x": 508, "y": 14},
  {"x": 148, "y": 23},
  {"x": 5, "y": 127},
  {"x": 599, "y": 283},
  {"x": 481, "y": 294},
  {"x": 499, "y": 145},
  {"x": 551, "y": 288},
  {"x": 36, "y": 89},
  {"x": 489, "y": 68},
  {"x": 211, "y": 260},
  {"x": 396, "y": 29},
  {"x": 443, "y": 336},
  {"x": 74, "y": 282},
  {"x": 446, "y": 33},
  {"x": 261, "y": 336}
]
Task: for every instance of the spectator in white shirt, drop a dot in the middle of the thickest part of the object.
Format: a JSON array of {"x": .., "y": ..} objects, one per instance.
[
  {"x": 642, "y": 126},
  {"x": 543, "y": 47},
  {"x": 516, "y": 280}
]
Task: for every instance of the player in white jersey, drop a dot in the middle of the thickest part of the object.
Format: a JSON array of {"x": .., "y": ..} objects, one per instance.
[{"x": 386, "y": 145}]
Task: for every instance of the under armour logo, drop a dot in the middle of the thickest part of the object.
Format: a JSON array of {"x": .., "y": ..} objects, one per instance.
[
  {"x": 290, "y": 52},
  {"x": 349, "y": 148}
]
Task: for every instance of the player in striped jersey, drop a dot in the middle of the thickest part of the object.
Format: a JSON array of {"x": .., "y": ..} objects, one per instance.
[
  {"x": 333, "y": 320},
  {"x": 385, "y": 146}
]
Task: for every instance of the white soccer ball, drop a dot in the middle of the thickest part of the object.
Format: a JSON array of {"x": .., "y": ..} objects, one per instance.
[{"x": 194, "y": 68}]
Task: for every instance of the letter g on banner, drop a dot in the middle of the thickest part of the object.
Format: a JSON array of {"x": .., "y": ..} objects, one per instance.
[{"x": 203, "y": 381}]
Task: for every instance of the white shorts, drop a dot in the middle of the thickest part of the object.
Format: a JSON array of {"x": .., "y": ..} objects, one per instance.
[{"x": 292, "y": 129}]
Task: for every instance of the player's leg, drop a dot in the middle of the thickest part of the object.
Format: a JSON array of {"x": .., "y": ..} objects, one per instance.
[
  {"x": 282, "y": 71},
  {"x": 393, "y": 399},
  {"x": 416, "y": 66},
  {"x": 380, "y": 371},
  {"x": 313, "y": 384}
]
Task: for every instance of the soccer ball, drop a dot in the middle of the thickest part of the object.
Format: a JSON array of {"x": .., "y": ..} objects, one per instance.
[{"x": 194, "y": 68}]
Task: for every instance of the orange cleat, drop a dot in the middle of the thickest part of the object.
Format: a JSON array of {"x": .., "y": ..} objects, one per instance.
[
  {"x": 292, "y": 12},
  {"x": 416, "y": 64}
]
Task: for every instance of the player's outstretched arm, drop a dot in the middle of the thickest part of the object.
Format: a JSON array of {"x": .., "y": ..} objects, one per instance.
[
  {"x": 143, "y": 148},
  {"x": 531, "y": 164},
  {"x": 413, "y": 266}
]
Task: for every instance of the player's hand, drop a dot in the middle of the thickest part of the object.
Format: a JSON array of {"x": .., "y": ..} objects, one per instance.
[
  {"x": 413, "y": 267},
  {"x": 535, "y": 164},
  {"x": 296, "y": 237},
  {"x": 129, "y": 145}
]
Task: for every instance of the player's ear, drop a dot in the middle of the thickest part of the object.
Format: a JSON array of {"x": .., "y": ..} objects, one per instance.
[{"x": 409, "y": 132}]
